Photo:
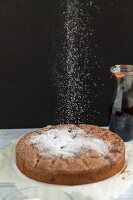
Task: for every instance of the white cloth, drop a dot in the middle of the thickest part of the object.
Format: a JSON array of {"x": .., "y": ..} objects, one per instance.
[{"x": 103, "y": 190}]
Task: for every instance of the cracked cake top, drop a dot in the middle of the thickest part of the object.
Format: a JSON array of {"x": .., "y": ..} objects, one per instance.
[
  {"x": 70, "y": 154},
  {"x": 67, "y": 142}
]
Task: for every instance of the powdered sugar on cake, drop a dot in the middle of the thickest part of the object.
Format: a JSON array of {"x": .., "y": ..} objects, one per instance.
[{"x": 67, "y": 142}]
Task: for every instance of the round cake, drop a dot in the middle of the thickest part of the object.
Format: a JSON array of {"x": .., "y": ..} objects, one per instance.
[{"x": 70, "y": 154}]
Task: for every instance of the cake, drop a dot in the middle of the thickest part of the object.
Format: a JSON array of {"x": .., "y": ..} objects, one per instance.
[{"x": 70, "y": 154}]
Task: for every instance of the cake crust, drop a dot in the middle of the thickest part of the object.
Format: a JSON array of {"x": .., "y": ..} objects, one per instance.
[{"x": 82, "y": 166}]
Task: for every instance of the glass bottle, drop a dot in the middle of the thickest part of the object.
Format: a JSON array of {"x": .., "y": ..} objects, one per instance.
[{"x": 121, "y": 121}]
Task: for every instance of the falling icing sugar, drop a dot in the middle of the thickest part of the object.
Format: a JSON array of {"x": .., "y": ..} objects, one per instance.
[
  {"x": 75, "y": 57},
  {"x": 67, "y": 142}
]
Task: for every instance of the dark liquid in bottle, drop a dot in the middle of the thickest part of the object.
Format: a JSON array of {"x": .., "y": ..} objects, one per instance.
[
  {"x": 121, "y": 121},
  {"x": 122, "y": 124}
]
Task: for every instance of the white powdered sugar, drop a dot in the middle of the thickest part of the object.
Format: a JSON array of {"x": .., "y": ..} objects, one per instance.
[
  {"x": 76, "y": 57},
  {"x": 67, "y": 142}
]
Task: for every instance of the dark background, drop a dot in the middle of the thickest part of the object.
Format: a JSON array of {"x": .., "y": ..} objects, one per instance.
[{"x": 26, "y": 98}]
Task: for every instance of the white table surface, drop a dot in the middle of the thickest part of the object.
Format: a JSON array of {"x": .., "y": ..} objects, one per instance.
[{"x": 6, "y": 135}]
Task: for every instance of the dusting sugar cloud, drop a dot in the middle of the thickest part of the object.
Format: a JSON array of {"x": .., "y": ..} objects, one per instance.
[{"x": 74, "y": 62}]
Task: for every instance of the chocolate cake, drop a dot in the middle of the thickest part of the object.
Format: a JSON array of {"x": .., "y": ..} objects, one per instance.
[{"x": 70, "y": 154}]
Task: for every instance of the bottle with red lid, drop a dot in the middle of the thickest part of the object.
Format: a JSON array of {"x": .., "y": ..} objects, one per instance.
[{"x": 121, "y": 121}]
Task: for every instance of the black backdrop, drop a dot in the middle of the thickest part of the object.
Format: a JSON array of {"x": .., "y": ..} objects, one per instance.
[{"x": 26, "y": 98}]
